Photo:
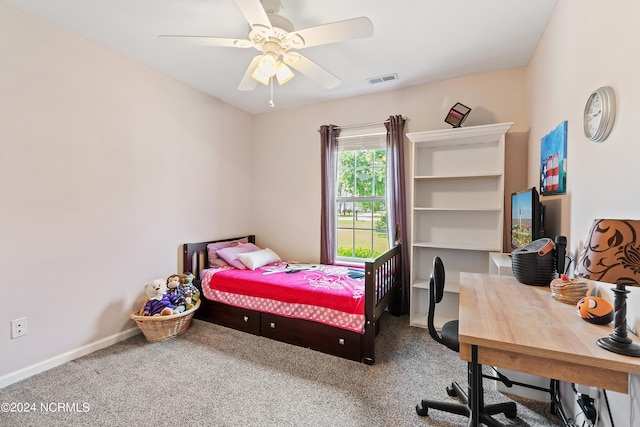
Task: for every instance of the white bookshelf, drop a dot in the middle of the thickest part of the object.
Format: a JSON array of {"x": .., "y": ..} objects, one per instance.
[{"x": 457, "y": 209}]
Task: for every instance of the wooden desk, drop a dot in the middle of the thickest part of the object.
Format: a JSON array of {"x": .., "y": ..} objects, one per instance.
[{"x": 520, "y": 327}]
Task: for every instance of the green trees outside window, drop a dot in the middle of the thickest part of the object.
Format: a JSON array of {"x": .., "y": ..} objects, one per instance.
[{"x": 361, "y": 204}]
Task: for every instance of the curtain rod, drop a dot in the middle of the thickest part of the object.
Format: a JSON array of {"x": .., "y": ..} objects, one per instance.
[{"x": 362, "y": 125}]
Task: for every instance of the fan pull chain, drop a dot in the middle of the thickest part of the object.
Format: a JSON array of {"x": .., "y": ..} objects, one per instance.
[{"x": 271, "y": 104}]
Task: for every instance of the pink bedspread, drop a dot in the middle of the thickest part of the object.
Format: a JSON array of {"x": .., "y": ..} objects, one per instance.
[{"x": 333, "y": 295}]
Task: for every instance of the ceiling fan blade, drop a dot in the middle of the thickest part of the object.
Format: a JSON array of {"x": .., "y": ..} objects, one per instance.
[
  {"x": 249, "y": 83},
  {"x": 311, "y": 69},
  {"x": 253, "y": 12},
  {"x": 206, "y": 41},
  {"x": 350, "y": 29}
]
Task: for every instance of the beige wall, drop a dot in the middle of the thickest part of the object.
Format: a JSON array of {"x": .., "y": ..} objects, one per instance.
[
  {"x": 102, "y": 163},
  {"x": 586, "y": 45},
  {"x": 286, "y": 148}
]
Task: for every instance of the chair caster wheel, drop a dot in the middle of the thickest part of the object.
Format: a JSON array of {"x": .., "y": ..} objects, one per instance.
[
  {"x": 451, "y": 392},
  {"x": 422, "y": 411},
  {"x": 510, "y": 415}
]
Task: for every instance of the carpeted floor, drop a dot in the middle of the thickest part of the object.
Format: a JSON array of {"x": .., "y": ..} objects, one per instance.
[{"x": 214, "y": 376}]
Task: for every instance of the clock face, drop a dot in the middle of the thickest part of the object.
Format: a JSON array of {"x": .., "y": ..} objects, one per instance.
[
  {"x": 599, "y": 113},
  {"x": 593, "y": 114}
]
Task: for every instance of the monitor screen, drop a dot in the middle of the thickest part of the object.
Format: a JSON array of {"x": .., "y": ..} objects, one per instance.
[{"x": 526, "y": 217}]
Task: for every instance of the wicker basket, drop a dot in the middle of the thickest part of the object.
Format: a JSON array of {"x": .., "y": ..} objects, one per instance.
[
  {"x": 157, "y": 328},
  {"x": 569, "y": 292}
]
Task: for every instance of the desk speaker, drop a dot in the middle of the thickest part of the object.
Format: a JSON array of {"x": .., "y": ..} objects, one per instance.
[{"x": 535, "y": 263}]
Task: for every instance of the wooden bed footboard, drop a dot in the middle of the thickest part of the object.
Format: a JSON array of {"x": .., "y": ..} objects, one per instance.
[{"x": 382, "y": 278}]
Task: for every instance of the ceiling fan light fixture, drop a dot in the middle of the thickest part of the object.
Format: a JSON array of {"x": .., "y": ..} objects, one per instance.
[
  {"x": 267, "y": 64},
  {"x": 275, "y": 36},
  {"x": 260, "y": 77},
  {"x": 266, "y": 68},
  {"x": 283, "y": 73}
]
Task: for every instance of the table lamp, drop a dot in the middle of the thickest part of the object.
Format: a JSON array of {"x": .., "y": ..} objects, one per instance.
[{"x": 612, "y": 255}]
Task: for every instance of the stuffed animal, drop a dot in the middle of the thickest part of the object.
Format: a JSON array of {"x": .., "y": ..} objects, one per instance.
[
  {"x": 192, "y": 294},
  {"x": 187, "y": 293},
  {"x": 160, "y": 303},
  {"x": 187, "y": 278},
  {"x": 174, "y": 287}
]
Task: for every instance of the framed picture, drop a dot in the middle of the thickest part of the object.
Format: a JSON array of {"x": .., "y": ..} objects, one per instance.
[{"x": 553, "y": 161}]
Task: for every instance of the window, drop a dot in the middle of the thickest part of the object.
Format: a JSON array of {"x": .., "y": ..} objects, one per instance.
[{"x": 361, "y": 207}]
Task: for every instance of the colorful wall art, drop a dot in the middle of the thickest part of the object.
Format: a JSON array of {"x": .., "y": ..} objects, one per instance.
[{"x": 553, "y": 161}]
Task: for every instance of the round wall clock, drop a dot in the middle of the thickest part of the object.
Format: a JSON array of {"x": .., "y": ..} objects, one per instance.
[{"x": 599, "y": 113}]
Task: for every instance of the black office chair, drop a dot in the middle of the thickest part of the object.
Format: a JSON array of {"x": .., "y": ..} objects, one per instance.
[{"x": 449, "y": 337}]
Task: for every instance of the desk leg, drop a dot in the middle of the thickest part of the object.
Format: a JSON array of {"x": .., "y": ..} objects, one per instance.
[{"x": 475, "y": 378}]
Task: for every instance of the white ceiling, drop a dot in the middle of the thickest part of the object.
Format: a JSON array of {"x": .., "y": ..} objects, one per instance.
[{"x": 419, "y": 40}]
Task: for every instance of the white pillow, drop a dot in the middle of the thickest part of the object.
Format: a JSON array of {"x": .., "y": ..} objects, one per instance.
[{"x": 259, "y": 258}]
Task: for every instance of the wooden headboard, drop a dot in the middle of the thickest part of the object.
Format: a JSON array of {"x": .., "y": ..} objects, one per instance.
[{"x": 194, "y": 255}]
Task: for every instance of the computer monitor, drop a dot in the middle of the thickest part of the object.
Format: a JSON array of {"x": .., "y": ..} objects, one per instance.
[{"x": 527, "y": 217}]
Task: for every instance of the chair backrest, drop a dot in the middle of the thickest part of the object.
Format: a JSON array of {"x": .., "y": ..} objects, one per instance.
[{"x": 436, "y": 292}]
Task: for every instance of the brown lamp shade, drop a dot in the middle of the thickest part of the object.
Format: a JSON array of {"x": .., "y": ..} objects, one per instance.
[{"x": 612, "y": 252}]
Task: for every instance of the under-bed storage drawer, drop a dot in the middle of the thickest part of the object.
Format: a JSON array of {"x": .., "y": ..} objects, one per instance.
[
  {"x": 314, "y": 335},
  {"x": 238, "y": 318}
]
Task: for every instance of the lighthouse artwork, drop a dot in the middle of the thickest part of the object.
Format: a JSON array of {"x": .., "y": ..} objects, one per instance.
[{"x": 553, "y": 161}]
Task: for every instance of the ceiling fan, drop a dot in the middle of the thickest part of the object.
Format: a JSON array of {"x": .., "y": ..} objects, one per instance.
[{"x": 277, "y": 40}]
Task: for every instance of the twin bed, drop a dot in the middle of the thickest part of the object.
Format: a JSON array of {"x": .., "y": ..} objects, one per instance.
[{"x": 333, "y": 309}]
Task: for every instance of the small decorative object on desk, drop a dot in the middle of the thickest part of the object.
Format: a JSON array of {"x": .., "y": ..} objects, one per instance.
[
  {"x": 568, "y": 291},
  {"x": 595, "y": 310}
]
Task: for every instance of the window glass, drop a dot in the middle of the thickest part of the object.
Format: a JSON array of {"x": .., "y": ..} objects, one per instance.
[{"x": 361, "y": 214}]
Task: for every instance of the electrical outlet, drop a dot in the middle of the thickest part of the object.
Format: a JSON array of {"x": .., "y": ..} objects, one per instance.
[{"x": 19, "y": 327}]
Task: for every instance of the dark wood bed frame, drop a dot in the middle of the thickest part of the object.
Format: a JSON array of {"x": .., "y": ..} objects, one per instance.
[{"x": 382, "y": 280}]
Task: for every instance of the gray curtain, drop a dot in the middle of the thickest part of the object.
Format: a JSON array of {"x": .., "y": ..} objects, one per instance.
[
  {"x": 397, "y": 205},
  {"x": 329, "y": 171}
]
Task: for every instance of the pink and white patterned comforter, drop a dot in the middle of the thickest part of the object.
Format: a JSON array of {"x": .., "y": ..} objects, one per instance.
[{"x": 329, "y": 294}]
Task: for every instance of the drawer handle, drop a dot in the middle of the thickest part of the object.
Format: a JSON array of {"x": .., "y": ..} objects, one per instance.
[
  {"x": 245, "y": 318},
  {"x": 273, "y": 325},
  {"x": 341, "y": 341}
]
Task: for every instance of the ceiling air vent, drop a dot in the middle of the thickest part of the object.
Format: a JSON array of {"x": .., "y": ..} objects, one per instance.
[{"x": 382, "y": 79}]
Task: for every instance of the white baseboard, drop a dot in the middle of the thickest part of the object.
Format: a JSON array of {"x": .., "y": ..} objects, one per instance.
[{"x": 66, "y": 357}]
